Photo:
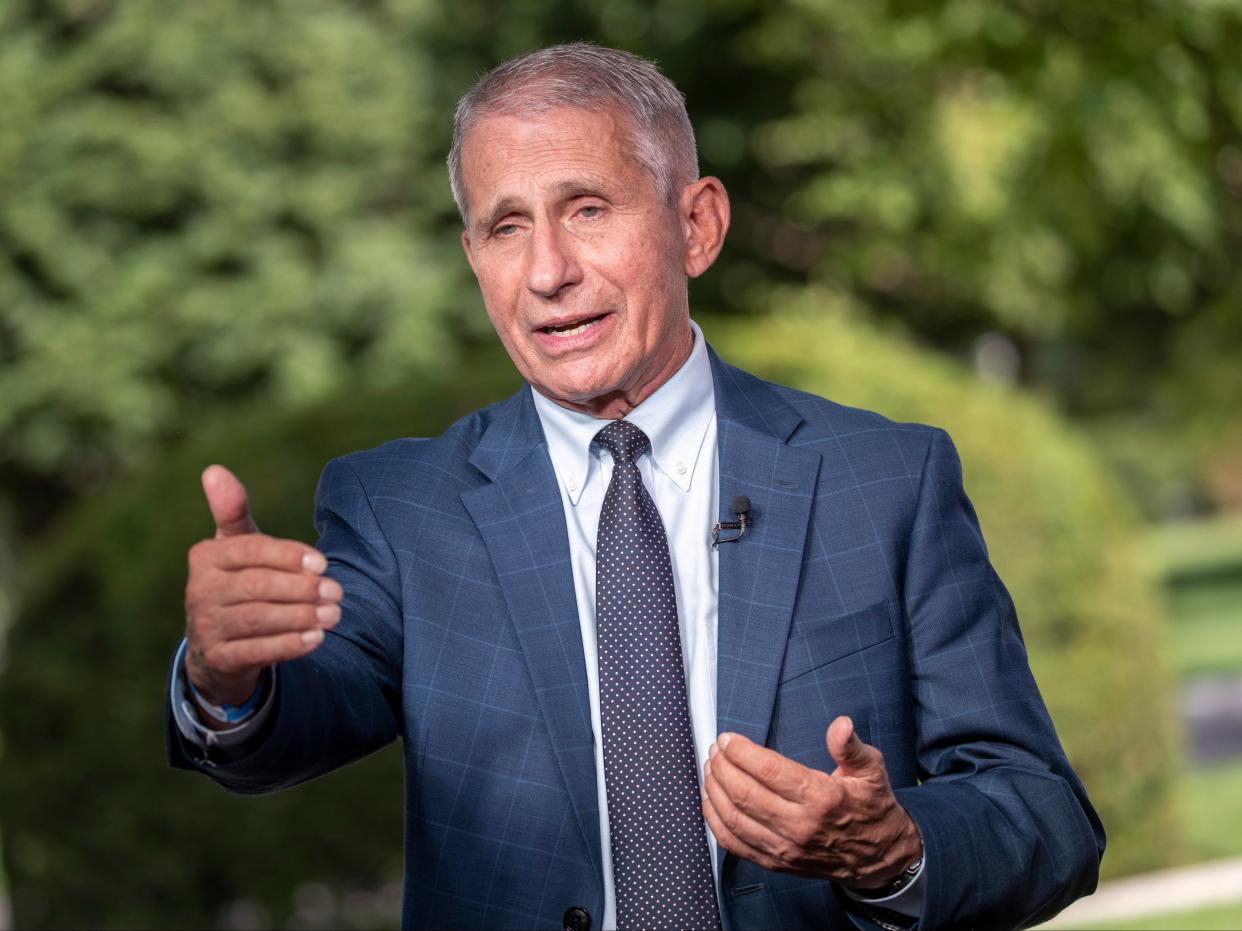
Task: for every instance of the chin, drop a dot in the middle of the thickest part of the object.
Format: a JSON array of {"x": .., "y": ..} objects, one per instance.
[
  {"x": 578, "y": 394},
  {"x": 579, "y": 390}
]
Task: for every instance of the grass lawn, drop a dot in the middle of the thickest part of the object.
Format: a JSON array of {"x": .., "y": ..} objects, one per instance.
[
  {"x": 1211, "y": 806},
  {"x": 1206, "y": 627},
  {"x": 1228, "y": 917},
  {"x": 1201, "y": 564}
]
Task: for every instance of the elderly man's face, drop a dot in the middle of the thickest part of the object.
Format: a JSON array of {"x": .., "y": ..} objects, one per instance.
[{"x": 581, "y": 263}]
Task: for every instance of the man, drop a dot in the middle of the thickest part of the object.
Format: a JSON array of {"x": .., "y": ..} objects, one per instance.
[{"x": 609, "y": 721}]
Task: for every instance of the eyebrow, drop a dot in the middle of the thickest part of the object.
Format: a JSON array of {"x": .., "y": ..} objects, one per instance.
[
  {"x": 506, "y": 206},
  {"x": 563, "y": 190}
]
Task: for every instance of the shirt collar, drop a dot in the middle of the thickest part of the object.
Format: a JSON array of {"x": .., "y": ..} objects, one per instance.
[{"x": 675, "y": 418}]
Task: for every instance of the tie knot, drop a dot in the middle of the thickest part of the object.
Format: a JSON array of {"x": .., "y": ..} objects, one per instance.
[{"x": 623, "y": 440}]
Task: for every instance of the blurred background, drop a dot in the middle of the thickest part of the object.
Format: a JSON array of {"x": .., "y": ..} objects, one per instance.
[{"x": 226, "y": 236}]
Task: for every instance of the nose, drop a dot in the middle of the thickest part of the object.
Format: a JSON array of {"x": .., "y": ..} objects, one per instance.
[{"x": 552, "y": 265}]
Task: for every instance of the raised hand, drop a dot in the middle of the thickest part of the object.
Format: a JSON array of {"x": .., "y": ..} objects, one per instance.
[
  {"x": 846, "y": 826},
  {"x": 250, "y": 600}
]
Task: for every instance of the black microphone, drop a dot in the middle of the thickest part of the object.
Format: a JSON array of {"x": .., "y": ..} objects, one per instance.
[{"x": 740, "y": 506}]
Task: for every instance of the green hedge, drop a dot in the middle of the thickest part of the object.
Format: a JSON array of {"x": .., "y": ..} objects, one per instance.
[{"x": 100, "y": 833}]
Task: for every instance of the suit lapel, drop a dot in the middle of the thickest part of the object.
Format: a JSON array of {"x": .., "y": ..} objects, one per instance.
[
  {"x": 759, "y": 574},
  {"x": 522, "y": 522}
]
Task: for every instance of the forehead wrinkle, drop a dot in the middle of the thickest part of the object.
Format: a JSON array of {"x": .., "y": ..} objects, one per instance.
[{"x": 527, "y": 168}]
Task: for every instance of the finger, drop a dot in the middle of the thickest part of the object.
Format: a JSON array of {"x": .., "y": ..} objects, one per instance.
[
  {"x": 226, "y": 496},
  {"x": 852, "y": 756},
  {"x": 778, "y": 773},
  {"x": 739, "y": 823},
  {"x": 259, "y": 550},
  {"x": 730, "y": 841},
  {"x": 272, "y": 585},
  {"x": 752, "y": 797},
  {"x": 262, "y": 619},
  {"x": 233, "y": 656}
]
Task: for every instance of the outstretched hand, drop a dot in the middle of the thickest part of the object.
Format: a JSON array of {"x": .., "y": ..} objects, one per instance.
[
  {"x": 250, "y": 600},
  {"x": 846, "y": 826}
]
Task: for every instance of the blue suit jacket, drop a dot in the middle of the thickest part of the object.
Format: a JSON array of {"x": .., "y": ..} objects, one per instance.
[{"x": 863, "y": 588}]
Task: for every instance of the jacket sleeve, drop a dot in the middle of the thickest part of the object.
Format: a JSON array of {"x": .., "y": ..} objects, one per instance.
[
  {"x": 1009, "y": 835},
  {"x": 342, "y": 701}
]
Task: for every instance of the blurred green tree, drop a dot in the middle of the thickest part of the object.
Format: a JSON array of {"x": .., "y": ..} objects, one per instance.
[
  {"x": 203, "y": 202},
  {"x": 224, "y": 199},
  {"x": 1066, "y": 174}
]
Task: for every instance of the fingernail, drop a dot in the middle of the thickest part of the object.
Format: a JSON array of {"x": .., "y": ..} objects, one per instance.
[
  {"x": 312, "y": 636},
  {"x": 707, "y": 769},
  {"x": 723, "y": 740},
  {"x": 314, "y": 562},
  {"x": 712, "y": 751},
  {"x": 330, "y": 590},
  {"x": 328, "y": 614}
]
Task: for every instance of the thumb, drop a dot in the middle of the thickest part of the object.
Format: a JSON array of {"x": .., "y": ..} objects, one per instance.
[
  {"x": 852, "y": 756},
  {"x": 226, "y": 496}
]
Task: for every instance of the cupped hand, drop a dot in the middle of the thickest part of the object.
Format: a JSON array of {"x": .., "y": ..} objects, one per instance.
[{"x": 846, "y": 826}]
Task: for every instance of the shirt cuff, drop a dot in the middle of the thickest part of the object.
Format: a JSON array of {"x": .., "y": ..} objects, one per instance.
[
  {"x": 233, "y": 742},
  {"x": 908, "y": 900}
]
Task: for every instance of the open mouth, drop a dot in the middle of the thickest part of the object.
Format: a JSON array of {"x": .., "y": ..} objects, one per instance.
[{"x": 573, "y": 328}]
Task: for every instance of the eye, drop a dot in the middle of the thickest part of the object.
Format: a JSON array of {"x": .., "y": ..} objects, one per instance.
[
  {"x": 590, "y": 211},
  {"x": 505, "y": 229}
]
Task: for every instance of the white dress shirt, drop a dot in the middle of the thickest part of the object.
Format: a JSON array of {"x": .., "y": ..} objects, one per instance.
[{"x": 681, "y": 475}]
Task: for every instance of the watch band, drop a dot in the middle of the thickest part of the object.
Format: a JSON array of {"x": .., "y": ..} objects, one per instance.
[
  {"x": 229, "y": 714},
  {"x": 907, "y": 876},
  {"x": 886, "y": 918}
]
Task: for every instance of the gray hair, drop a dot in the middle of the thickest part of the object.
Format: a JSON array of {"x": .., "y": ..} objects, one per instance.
[{"x": 587, "y": 77}]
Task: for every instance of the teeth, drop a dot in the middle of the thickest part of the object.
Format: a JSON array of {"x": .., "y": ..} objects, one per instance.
[{"x": 572, "y": 331}]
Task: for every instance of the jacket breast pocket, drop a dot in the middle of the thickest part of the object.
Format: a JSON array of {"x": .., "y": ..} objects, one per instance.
[{"x": 817, "y": 642}]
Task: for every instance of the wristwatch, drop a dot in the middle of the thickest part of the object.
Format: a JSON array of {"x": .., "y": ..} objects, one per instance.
[
  {"x": 886, "y": 918},
  {"x": 904, "y": 879},
  {"x": 863, "y": 900}
]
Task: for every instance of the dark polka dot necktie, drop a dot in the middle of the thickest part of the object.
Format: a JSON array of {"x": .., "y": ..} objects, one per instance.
[{"x": 660, "y": 860}]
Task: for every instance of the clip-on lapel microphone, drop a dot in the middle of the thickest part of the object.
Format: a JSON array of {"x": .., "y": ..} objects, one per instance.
[{"x": 741, "y": 507}]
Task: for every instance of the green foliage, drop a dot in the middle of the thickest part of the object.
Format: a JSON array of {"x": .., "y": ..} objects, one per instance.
[
  {"x": 98, "y": 831},
  {"x": 1059, "y": 533},
  {"x": 198, "y": 201},
  {"x": 207, "y": 201},
  {"x": 1069, "y": 173}
]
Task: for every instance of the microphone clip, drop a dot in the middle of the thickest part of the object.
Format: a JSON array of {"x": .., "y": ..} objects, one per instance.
[{"x": 740, "y": 506}]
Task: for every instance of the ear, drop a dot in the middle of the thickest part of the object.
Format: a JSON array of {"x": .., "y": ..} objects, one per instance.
[{"x": 704, "y": 221}]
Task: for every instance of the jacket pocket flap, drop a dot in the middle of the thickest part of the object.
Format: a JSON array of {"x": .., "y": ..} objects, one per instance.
[{"x": 819, "y": 641}]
